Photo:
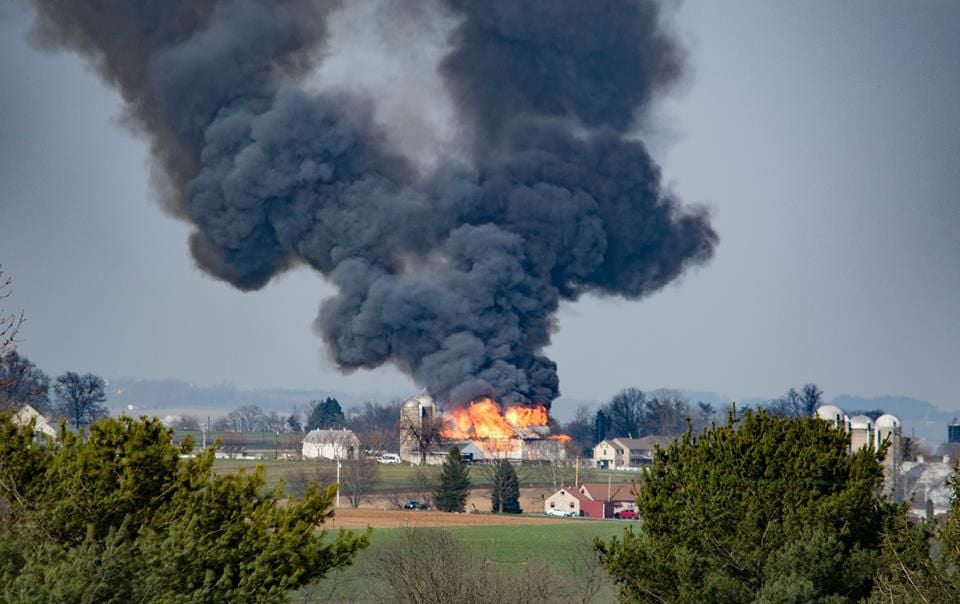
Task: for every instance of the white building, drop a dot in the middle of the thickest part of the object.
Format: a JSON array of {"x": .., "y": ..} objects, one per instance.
[
  {"x": 625, "y": 453},
  {"x": 331, "y": 444},
  {"x": 41, "y": 426}
]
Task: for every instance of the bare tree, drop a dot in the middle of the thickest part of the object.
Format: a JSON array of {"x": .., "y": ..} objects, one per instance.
[
  {"x": 357, "y": 479},
  {"x": 22, "y": 382},
  {"x": 667, "y": 413},
  {"x": 81, "y": 397},
  {"x": 298, "y": 478},
  {"x": 377, "y": 426},
  {"x": 625, "y": 412},
  {"x": 275, "y": 422},
  {"x": 559, "y": 471},
  {"x": 185, "y": 422},
  {"x": 424, "y": 432},
  {"x": 9, "y": 323},
  {"x": 586, "y": 576},
  {"x": 811, "y": 397},
  {"x": 580, "y": 429},
  {"x": 248, "y": 418},
  {"x": 430, "y": 566}
]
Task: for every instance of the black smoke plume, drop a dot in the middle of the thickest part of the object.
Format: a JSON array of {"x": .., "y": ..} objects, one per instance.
[{"x": 454, "y": 276}]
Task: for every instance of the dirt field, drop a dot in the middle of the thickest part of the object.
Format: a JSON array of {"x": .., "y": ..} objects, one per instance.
[{"x": 361, "y": 518}]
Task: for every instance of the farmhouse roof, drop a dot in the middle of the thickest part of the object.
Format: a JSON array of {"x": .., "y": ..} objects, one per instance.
[
  {"x": 647, "y": 443},
  {"x": 598, "y": 491},
  {"x": 335, "y": 437},
  {"x": 26, "y": 413}
]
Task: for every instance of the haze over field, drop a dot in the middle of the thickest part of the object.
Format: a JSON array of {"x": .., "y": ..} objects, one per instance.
[{"x": 823, "y": 137}]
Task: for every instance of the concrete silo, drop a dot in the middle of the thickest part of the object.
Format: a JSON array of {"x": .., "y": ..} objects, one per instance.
[
  {"x": 861, "y": 433},
  {"x": 832, "y": 414},
  {"x": 418, "y": 418}
]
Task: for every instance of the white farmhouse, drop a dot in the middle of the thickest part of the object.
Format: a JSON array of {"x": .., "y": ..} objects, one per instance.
[
  {"x": 331, "y": 444},
  {"x": 41, "y": 426},
  {"x": 628, "y": 453}
]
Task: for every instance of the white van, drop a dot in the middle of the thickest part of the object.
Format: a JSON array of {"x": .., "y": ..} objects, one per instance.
[{"x": 389, "y": 458}]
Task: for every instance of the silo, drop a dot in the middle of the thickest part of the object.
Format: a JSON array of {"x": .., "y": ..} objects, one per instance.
[
  {"x": 953, "y": 431},
  {"x": 861, "y": 433},
  {"x": 416, "y": 414},
  {"x": 833, "y": 415},
  {"x": 888, "y": 430}
]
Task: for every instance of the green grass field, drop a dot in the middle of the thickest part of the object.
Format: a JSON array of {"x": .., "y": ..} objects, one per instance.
[
  {"x": 403, "y": 476},
  {"x": 563, "y": 549}
]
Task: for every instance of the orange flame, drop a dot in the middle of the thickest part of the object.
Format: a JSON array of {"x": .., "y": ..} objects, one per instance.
[{"x": 482, "y": 419}]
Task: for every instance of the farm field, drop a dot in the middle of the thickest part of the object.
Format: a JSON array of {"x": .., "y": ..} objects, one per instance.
[
  {"x": 361, "y": 518},
  {"x": 558, "y": 549},
  {"x": 404, "y": 476}
]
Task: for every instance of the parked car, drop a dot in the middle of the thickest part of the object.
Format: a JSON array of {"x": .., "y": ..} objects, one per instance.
[
  {"x": 415, "y": 505},
  {"x": 389, "y": 458},
  {"x": 561, "y": 513},
  {"x": 626, "y": 515}
]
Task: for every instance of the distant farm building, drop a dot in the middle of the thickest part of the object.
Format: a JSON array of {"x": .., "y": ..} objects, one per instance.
[
  {"x": 422, "y": 426},
  {"x": 331, "y": 444},
  {"x": 619, "y": 496},
  {"x": 574, "y": 503},
  {"x": 865, "y": 432},
  {"x": 41, "y": 426},
  {"x": 627, "y": 453}
]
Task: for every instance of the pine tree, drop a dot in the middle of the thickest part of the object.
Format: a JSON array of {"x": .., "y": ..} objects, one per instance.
[
  {"x": 451, "y": 495},
  {"x": 505, "y": 495},
  {"x": 763, "y": 509},
  {"x": 118, "y": 516}
]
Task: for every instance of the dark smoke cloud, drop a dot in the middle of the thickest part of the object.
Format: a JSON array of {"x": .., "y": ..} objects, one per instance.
[
  {"x": 596, "y": 62},
  {"x": 454, "y": 276}
]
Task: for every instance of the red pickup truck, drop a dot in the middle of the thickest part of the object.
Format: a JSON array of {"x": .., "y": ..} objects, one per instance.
[{"x": 626, "y": 515}]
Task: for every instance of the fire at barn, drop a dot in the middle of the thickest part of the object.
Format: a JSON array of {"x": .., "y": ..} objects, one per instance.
[{"x": 481, "y": 429}]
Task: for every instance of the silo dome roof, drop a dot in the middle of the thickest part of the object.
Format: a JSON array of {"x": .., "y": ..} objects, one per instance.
[
  {"x": 888, "y": 421},
  {"x": 421, "y": 400},
  {"x": 860, "y": 422},
  {"x": 829, "y": 412}
]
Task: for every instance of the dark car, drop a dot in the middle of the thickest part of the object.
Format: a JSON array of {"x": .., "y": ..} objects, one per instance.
[{"x": 415, "y": 505}]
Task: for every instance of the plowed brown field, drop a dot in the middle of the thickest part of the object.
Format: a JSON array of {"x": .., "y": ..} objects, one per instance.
[{"x": 350, "y": 518}]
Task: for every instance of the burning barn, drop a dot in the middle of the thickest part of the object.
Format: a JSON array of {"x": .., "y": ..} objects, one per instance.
[
  {"x": 517, "y": 433},
  {"x": 449, "y": 264}
]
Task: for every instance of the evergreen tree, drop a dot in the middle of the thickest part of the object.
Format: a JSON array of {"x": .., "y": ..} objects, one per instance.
[
  {"x": 325, "y": 414},
  {"x": 764, "y": 509},
  {"x": 117, "y": 516},
  {"x": 505, "y": 494},
  {"x": 601, "y": 423},
  {"x": 451, "y": 494}
]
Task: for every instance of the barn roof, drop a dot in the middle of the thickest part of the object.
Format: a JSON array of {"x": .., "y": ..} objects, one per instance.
[{"x": 333, "y": 437}]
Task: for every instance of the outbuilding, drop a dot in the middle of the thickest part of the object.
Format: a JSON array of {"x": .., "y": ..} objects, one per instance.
[{"x": 331, "y": 444}]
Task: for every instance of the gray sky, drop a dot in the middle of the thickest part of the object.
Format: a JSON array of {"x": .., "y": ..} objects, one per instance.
[{"x": 824, "y": 136}]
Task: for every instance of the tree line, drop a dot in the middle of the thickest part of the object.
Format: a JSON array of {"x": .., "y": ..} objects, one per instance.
[{"x": 75, "y": 397}]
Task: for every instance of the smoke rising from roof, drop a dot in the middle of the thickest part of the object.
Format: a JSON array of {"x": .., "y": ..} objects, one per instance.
[{"x": 454, "y": 274}]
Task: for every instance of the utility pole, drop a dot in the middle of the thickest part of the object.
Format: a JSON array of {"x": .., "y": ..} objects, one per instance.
[{"x": 338, "y": 484}]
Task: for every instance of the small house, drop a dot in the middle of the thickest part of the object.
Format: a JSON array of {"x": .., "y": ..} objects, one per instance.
[
  {"x": 619, "y": 496},
  {"x": 575, "y": 503},
  {"x": 628, "y": 453}
]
